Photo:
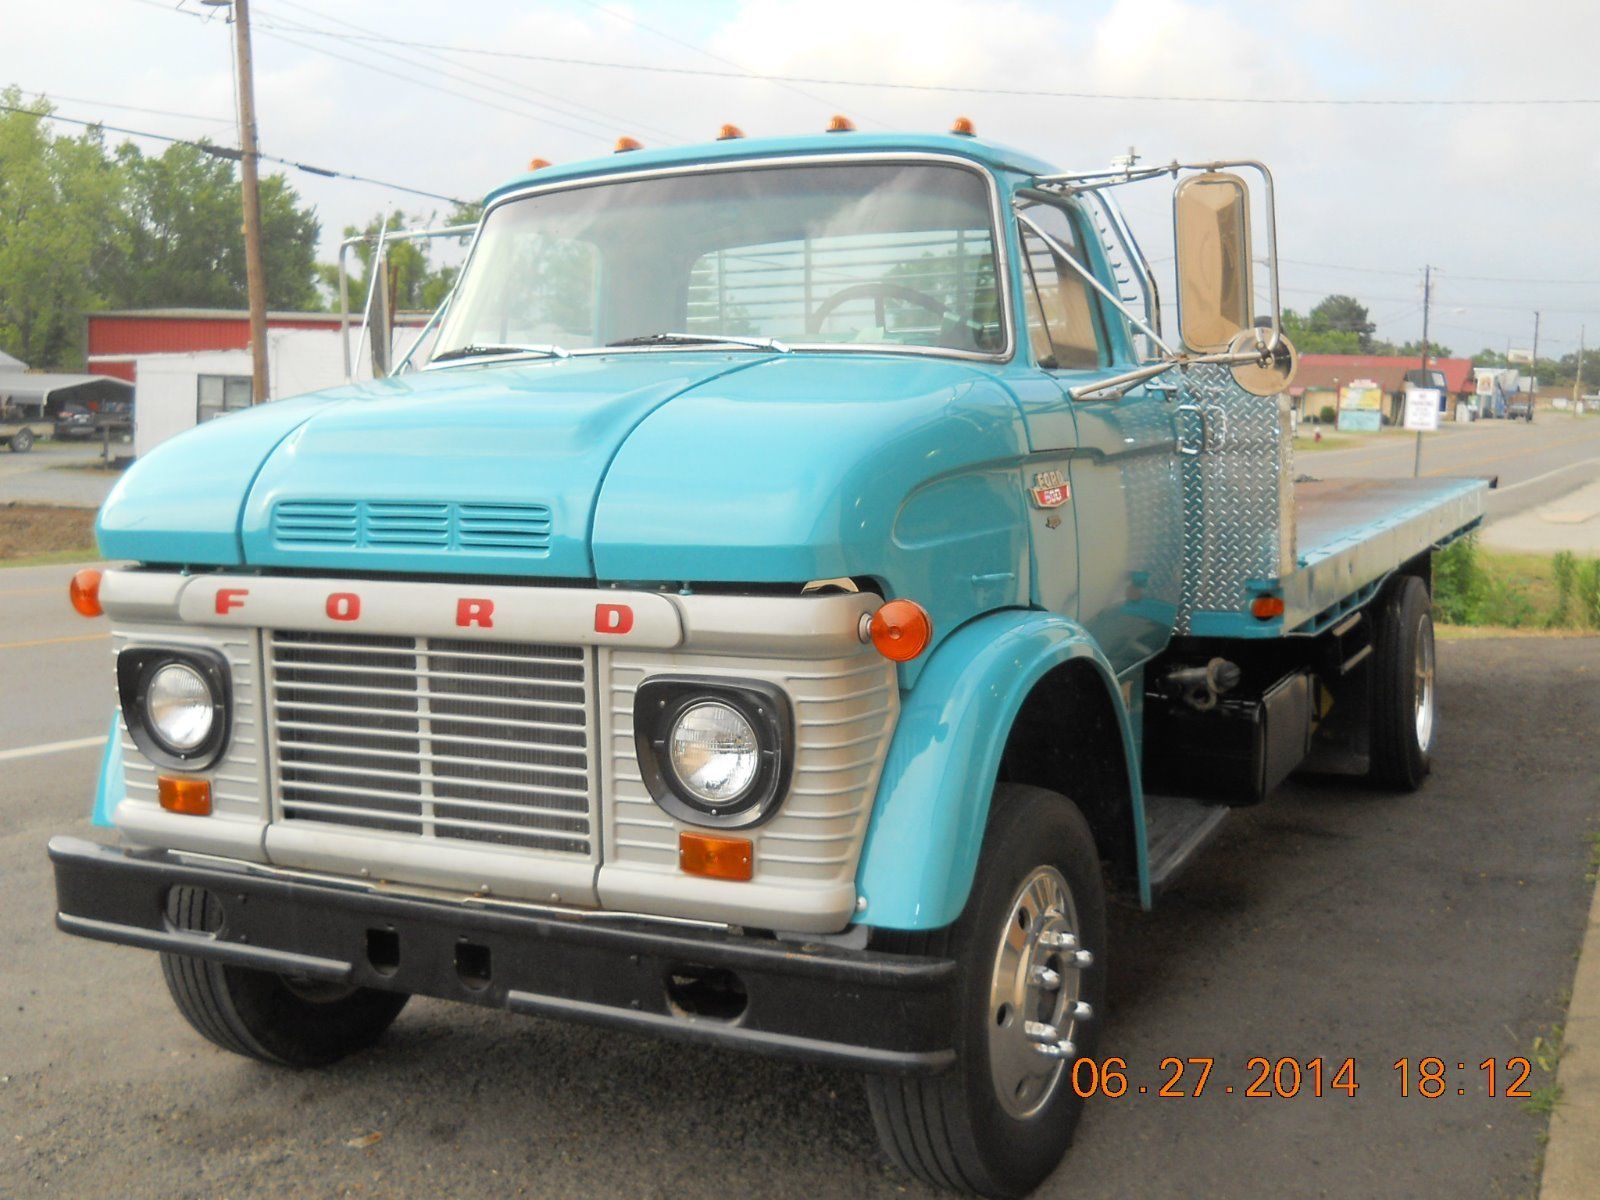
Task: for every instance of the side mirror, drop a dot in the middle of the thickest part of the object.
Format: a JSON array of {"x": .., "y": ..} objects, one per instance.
[{"x": 1211, "y": 226}]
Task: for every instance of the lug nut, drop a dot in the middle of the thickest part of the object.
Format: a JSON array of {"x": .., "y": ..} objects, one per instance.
[
  {"x": 1056, "y": 1050},
  {"x": 1058, "y": 939},
  {"x": 1080, "y": 1010},
  {"x": 1082, "y": 958},
  {"x": 1039, "y": 1031},
  {"x": 1046, "y": 978}
]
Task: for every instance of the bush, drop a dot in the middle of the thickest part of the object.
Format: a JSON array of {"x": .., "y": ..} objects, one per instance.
[
  {"x": 1328, "y": 416},
  {"x": 1465, "y": 593},
  {"x": 1577, "y": 591}
]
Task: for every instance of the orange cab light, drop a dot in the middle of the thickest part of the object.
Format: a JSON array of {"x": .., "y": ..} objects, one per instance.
[
  {"x": 715, "y": 857},
  {"x": 901, "y": 630},
  {"x": 729, "y": 132},
  {"x": 538, "y": 164},
  {"x": 841, "y": 124},
  {"x": 191, "y": 797},
  {"x": 1264, "y": 608},
  {"x": 964, "y": 127},
  {"x": 625, "y": 144},
  {"x": 85, "y": 592}
]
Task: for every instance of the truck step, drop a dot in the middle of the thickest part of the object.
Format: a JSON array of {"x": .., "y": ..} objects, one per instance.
[{"x": 1175, "y": 829}]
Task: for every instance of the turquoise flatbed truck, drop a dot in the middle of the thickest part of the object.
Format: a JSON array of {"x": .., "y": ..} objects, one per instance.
[{"x": 793, "y": 584}]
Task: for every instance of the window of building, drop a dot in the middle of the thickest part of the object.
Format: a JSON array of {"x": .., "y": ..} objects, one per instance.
[{"x": 220, "y": 394}]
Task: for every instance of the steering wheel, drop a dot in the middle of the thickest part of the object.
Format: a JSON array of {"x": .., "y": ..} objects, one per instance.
[{"x": 879, "y": 291}]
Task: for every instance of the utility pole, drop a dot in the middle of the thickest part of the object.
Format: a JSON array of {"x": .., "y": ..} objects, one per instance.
[
  {"x": 1533, "y": 370},
  {"x": 1427, "y": 299},
  {"x": 254, "y": 268},
  {"x": 1577, "y": 384}
]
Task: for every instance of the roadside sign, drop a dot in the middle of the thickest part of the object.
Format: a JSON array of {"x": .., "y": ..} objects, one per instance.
[{"x": 1422, "y": 408}]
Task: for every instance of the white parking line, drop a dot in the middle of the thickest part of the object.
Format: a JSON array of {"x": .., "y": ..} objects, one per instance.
[
  {"x": 52, "y": 748},
  {"x": 1511, "y": 487}
]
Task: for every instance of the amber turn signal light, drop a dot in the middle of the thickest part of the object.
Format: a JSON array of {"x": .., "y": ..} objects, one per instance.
[
  {"x": 85, "y": 592},
  {"x": 191, "y": 797},
  {"x": 538, "y": 164},
  {"x": 729, "y": 133},
  {"x": 963, "y": 127},
  {"x": 841, "y": 124},
  {"x": 625, "y": 144},
  {"x": 715, "y": 857},
  {"x": 1264, "y": 608},
  {"x": 901, "y": 630}
]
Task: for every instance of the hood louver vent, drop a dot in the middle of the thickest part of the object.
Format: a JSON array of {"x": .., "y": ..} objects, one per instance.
[{"x": 411, "y": 525}]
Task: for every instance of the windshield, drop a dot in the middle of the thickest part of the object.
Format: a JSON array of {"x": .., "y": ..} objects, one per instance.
[{"x": 863, "y": 254}]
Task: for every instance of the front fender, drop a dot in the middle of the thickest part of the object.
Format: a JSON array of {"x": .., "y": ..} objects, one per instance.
[
  {"x": 922, "y": 844},
  {"x": 112, "y": 785}
]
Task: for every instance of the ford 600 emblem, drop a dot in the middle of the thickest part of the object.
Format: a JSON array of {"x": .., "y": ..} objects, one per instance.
[{"x": 1050, "y": 490}]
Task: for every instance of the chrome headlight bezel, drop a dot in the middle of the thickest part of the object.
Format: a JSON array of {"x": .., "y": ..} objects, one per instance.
[
  {"x": 661, "y": 701},
  {"x": 137, "y": 666}
]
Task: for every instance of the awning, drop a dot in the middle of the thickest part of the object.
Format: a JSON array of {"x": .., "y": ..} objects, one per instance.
[{"x": 36, "y": 387}]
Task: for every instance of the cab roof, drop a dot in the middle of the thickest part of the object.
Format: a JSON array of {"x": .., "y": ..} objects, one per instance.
[{"x": 988, "y": 154}]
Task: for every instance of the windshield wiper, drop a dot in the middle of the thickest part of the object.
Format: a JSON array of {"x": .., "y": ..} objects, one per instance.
[
  {"x": 703, "y": 339},
  {"x": 475, "y": 351}
]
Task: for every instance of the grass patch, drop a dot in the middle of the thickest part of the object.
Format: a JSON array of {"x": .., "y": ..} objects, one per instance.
[
  {"x": 1545, "y": 1057},
  {"x": 1479, "y": 588},
  {"x": 33, "y": 534}
]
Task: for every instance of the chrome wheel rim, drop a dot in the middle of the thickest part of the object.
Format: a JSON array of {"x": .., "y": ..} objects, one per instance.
[
  {"x": 1423, "y": 690},
  {"x": 1034, "y": 993}
]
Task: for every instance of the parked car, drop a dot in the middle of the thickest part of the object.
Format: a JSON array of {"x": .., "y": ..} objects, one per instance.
[{"x": 73, "y": 423}]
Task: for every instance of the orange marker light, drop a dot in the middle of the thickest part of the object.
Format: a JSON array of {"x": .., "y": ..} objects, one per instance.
[
  {"x": 729, "y": 132},
  {"x": 715, "y": 857},
  {"x": 963, "y": 127},
  {"x": 191, "y": 797},
  {"x": 538, "y": 164},
  {"x": 85, "y": 592},
  {"x": 1264, "y": 608},
  {"x": 841, "y": 124},
  {"x": 625, "y": 144},
  {"x": 901, "y": 630}
]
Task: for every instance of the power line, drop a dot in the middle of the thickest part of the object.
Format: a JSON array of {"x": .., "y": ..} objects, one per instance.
[
  {"x": 227, "y": 152},
  {"x": 989, "y": 90},
  {"x": 154, "y": 112},
  {"x": 440, "y": 56}
]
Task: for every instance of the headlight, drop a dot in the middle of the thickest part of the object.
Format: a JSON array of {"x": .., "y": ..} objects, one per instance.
[
  {"x": 178, "y": 707},
  {"x": 714, "y": 752},
  {"x": 176, "y": 704}
]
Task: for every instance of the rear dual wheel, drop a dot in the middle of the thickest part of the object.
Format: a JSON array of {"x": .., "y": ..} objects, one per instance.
[
  {"x": 1030, "y": 952},
  {"x": 1404, "y": 720}
]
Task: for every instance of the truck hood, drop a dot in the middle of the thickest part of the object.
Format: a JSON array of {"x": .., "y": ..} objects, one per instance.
[
  {"x": 477, "y": 469},
  {"x": 702, "y": 466}
]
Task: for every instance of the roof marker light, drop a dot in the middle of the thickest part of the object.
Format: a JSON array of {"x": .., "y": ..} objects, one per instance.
[
  {"x": 625, "y": 144},
  {"x": 729, "y": 132},
  {"x": 538, "y": 164},
  {"x": 963, "y": 127},
  {"x": 841, "y": 124}
]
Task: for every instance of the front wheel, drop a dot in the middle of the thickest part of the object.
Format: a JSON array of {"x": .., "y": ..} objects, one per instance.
[
  {"x": 22, "y": 441},
  {"x": 1403, "y": 695},
  {"x": 1030, "y": 950},
  {"x": 277, "y": 1019}
]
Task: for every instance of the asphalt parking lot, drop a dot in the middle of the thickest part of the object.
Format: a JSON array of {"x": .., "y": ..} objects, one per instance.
[{"x": 1332, "y": 922}]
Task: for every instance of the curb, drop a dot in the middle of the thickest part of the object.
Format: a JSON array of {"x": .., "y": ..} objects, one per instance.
[{"x": 1572, "y": 1158}]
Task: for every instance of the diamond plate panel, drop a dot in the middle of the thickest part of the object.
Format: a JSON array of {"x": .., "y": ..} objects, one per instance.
[{"x": 1238, "y": 500}]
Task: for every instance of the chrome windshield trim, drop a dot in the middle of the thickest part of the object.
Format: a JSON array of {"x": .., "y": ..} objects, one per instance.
[{"x": 997, "y": 217}]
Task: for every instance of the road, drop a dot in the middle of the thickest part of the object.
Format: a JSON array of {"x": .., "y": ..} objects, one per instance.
[
  {"x": 47, "y": 475},
  {"x": 1536, "y": 463},
  {"x": 1331, "y": 922}
]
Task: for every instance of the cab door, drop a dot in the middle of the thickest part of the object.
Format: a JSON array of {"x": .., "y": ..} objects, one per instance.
[{"x": 1120, "y": 456}]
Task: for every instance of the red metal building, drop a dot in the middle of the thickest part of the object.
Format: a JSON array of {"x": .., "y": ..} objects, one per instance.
[{"x": 115, "y": 338}]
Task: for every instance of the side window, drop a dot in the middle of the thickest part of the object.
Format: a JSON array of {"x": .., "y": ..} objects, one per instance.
[{"x": 1064, "y": 320}]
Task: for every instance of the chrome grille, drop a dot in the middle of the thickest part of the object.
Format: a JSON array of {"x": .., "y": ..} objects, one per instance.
[{"x": 434, "y": 737}]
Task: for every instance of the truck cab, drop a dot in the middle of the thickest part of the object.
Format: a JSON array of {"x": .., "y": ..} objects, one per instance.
[{"x": 796, "y": 585}]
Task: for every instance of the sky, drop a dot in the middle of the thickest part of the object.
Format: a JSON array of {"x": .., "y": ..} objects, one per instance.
[{"x": 1498, "y": 199}]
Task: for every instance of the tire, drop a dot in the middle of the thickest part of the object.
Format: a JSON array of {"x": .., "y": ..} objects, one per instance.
[
  {"x": 22, "y": 441},
  {"x": 272, "y": 1018},
  {"x": 1404, "y": 720},
  {"x": 955, "y": 1130}
]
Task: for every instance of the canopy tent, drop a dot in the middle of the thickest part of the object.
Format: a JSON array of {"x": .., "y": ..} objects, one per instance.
[{"x": 36, "y": 389}]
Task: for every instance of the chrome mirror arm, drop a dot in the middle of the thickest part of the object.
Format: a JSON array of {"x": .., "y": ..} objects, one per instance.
[{"x": 1116, "y": 386}]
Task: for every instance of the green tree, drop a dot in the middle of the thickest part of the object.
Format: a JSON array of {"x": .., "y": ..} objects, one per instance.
[
  {"x": 58, "y": 233},
  {"x": 1343, "y": 314},
  {"x": 184, "y": 242},
  {"x": 1309, "y": 339}
]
